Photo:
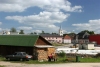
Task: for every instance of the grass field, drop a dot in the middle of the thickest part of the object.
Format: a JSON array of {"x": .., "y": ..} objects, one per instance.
[{"x": 90, "y": 60}]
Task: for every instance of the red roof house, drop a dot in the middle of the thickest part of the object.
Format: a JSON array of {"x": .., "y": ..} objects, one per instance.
[{"x": 67, "y": 39}]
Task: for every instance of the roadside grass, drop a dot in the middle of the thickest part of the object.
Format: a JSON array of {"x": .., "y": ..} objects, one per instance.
[
  {"x": 59, "y": 60},
  {"x": 2, "y": 58},
  {"x": 90, "y": 60},
  {"x": 2, "y": 66}
]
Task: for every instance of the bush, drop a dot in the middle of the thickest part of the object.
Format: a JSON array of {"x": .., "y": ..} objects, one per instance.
[
  {"x": 97, "y": 55},
  {"x": 62, "y": 54}
]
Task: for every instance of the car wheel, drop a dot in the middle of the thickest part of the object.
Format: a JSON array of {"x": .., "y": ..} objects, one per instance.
[
  {"x": 27, "y": 59},
  {"x": 21, "y": 59}
]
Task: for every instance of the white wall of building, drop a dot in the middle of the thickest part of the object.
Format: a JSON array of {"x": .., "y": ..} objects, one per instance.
[{"x": 67, "y": 41}]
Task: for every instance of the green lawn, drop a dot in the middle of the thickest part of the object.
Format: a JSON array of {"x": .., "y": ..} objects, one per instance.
[{"x": 90, "y": 60}]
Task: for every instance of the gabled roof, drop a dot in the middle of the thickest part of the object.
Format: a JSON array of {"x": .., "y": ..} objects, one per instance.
[
  {"x": 18, "y": 40},
  {"x": 67, "y": 37},
  {"x": 83, "y": 35}
]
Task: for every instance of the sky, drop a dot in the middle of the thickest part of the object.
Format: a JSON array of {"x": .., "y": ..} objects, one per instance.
[{"x": 50, "y": 15}]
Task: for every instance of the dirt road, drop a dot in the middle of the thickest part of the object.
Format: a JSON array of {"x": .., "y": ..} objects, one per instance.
[{"x": 9, "y": 64}]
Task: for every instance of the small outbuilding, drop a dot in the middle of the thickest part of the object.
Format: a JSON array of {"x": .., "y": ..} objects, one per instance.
[
  {"x": 86, "y": 46},
  {"x": 32, "y": 44}
]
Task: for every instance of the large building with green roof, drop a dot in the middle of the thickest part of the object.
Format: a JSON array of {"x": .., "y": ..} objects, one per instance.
[{"x": 32, "y": 44}]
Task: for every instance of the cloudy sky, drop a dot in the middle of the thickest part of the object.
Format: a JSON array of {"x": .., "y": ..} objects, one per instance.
[{"x": 49, "y": 15}]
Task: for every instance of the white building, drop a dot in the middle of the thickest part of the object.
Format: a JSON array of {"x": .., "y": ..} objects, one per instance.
[
  {"x": 67, "y": 39},
  {"x": 61, "y": 32}
]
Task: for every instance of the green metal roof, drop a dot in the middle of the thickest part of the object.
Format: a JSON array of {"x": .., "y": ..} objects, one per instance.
[{"x": 18, "y": 40}]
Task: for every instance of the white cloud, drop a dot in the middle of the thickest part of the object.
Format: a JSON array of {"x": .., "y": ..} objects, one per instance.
[
  {"x": 37, "y": 31},
  {"x": 48, "y": 5},
  {"x": 4, "y": 29},
  {"x": 52, "y": 12},
  {"x": 0, "y": 29},
  {"x": 44, "y": 20},
  {"x": 0, "y": 23},
  {"x": 25, "y": 28},
  {"x": 43, "y": 17},
  {"x": 92, "y": 25}
]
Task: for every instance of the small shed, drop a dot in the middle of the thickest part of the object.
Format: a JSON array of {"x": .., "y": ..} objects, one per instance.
[
  {"x": 44, "y": 51},
  {"x": 88, "y": 46},
  {"x": 32, "y": 44}
]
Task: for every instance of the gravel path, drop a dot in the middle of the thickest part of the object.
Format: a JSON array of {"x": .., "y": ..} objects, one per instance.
[{"x": 9, "y": 64}]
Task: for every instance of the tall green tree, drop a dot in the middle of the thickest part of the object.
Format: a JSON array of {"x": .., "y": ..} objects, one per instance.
[
  {"x": 90, "y": 32},
  {"x": 43, "y": 32},
  {"x": 72, "y": 34},
  {"x": 21, "y": 32},
  {"x": 13, "y": 29},
  {"x": 34, "y": 33},
  {"x": 31, "y": 33},
  {"x": 54, "y": 33}
]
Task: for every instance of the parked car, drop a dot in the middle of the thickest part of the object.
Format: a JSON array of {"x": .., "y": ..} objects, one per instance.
[{"x": 19, "y": 56}]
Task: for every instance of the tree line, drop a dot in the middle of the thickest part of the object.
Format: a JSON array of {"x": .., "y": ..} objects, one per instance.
[
  {"x": 43, "y": 32},
  {"x": 14, "y": 30}
]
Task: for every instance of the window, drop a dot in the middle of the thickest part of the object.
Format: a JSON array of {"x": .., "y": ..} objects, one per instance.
[{"x": 19, "y": 54}]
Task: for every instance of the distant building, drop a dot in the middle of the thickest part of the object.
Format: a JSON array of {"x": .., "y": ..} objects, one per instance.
[
  {"x": 66, "y": 39},
  {"x": 34, "y": 45},
  {"x": 61, "y": 31},
  {"x": 53, "y": 38},
  {"x": 8, "y": 33},
  {"x": 95, "y": 38},
  {"x": 81, "y": 38},
  {"x": 86, "y": 46}
]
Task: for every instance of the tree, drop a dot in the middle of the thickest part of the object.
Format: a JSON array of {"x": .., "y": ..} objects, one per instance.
[
  {"x": 43, "y": 32},
  {"x": 90, "y": 32},
  {"x": 31, "y": 33},
  {"x": 35, "y": 33},
  {"x": 54, "y": 33},
  {"x": 71, "y": 34},
  {"x": 21, "y": 32},
  {"x": 13, "y": 29}
]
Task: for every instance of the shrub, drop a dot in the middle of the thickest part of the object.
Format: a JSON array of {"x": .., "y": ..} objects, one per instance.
[
  {"x": 62, "y": 54},
  {"x": 98, "y": 55}
]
